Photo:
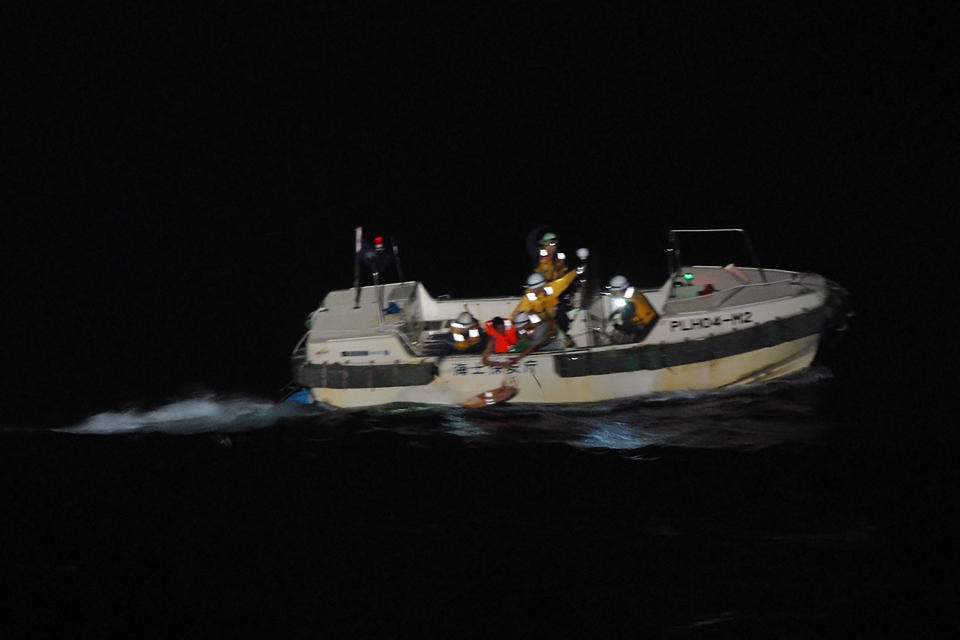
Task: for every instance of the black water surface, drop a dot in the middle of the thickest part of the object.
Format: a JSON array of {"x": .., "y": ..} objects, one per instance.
[{"x": 768, "y": 511}]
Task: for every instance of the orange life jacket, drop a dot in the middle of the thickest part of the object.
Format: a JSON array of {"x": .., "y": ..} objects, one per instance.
[
  {"x": 502, "y": 341},
  {"x": 643, "y": 313}
]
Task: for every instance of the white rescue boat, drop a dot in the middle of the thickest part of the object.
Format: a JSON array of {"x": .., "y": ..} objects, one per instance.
[{"x": 718, "y": 326}]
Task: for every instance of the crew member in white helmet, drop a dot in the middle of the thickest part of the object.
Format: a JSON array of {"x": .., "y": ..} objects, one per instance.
[
  {"x": 633, "y": 317},
  {"x": 533, "y": 333},
  {"x": 543, "y": 297},
  {"x": 465, "y": 335}
]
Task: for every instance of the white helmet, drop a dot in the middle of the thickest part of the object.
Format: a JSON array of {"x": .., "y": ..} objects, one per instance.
[
  {"x": 535, "y": 281},
  {"x": 618, "y": 283},
  {"x": 521, "y": 319},
  {"x": 464, "y": 320}
]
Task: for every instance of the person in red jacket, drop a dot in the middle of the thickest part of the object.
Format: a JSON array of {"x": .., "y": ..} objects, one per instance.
[{"x": 501, "y": 336}]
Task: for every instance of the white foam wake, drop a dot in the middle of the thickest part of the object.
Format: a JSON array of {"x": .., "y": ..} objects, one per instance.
[{"x": 193, "y": 415}]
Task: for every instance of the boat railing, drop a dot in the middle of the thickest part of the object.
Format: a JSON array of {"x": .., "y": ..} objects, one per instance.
[
  {"x": 674, "y": 259},
  {"x": 723, "y": 297},
  {"x": 730, "y": 293},
  {"x": 300, "y": 350},
  {"x": 396, "y": 329}
]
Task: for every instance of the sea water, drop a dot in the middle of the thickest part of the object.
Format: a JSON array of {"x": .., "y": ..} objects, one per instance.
[{"x": 766, "y": 510}]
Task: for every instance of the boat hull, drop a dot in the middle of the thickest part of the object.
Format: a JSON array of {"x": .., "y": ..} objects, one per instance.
[
  {"x": 538, "y": 381},
  {"x": 739, "y": 334}
]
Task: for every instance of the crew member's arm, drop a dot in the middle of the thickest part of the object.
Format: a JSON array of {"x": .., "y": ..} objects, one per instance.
[
  {"x": 538, "y": 338},
  {"x": 524, "y": 305},
  {"x": 520, "y": 356},
  {"x": 533, "y": 246},
  {"x": 487, "y": 352},
  {"x": 560, "y": 284}
]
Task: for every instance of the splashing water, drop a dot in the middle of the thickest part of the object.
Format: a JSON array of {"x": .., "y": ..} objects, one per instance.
[
  {"x": 193, "y": 415},
  {"x": 745, "y": 418}
]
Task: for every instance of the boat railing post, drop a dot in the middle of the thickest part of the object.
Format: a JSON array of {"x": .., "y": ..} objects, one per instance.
[
  {"x": 583, "y": 253},
  {"x": 732, "y": 292},
  {"x": 358, "y": 247},
  {"x": 301, "y": 349},
  {"x": 673, "y": 260},
  {"x": 376, "y": 283},
  {"x": 396, "y": 257},
  {"x": 753, "y": 255}
]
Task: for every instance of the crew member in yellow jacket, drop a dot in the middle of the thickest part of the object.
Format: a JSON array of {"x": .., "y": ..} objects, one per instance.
[
  {"x": 542, "y": 297},
  {"x": 551, "y": 263},
  {"x": 633, "y": 316}
]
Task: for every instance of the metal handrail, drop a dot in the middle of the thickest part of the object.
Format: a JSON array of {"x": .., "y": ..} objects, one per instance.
[
  {"x": 740, "y": 287},
  {"x": 673, "y": 251},
  {"x": 404, "y": 338},
  {"x": 363, "y": 332},
  {"x": 346, "y": 333},
  {"x": 729, "y": 293},
  {"x": 301, "y": 346}
]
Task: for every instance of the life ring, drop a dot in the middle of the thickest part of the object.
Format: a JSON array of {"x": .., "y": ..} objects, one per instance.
[{"x": 492, "y": 397}]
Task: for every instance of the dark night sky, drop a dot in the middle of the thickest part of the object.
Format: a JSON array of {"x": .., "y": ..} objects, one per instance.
[{"x": 185, "y": 179}]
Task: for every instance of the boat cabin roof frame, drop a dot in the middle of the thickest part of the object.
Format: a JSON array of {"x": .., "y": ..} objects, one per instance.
[{"x": 675, "y": 260}]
